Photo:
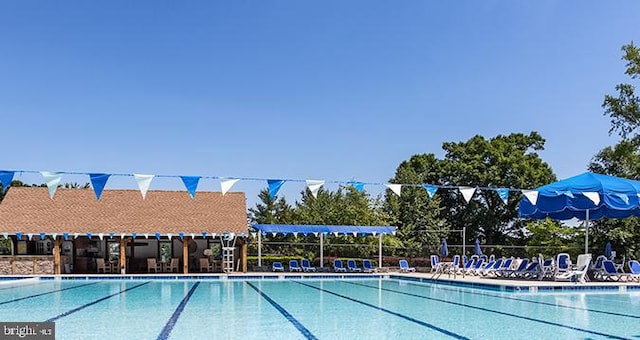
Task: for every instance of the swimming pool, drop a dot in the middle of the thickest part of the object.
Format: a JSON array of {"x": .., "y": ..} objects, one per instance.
[{"x": 314, "y": 309}]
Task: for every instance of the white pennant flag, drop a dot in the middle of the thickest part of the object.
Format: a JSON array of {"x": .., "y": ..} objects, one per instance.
[
  {"x": 29, "y": 236},
  {"x": 193, "y": 236},
  {"x": 395, "y": 188},
  {"x": 213, "y": 235},
  {"x": 226, "y": 185},
  {"x": 593, "y": 196},
  {"x": 101, "y": 235},
  {"x": 54, "y": 236},
  {"x": 6, "y": 235},
  {"x": 314, "y": 185},
  {"x": 295, "y": 234},
  {"x": 146, "y": 235},
  {"x": 169, "y": 235},
  {"x": 122, "y": 235},
  {"x": 467, "y": 193},
  {"x": 53, "y": 180},
  {"x": 531, "y": 195},
  {"x": 144, "y": 181},
  {"x": 75, "y": 235}
]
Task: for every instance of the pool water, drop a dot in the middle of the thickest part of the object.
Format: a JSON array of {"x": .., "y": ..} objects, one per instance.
[{"x": 315, "y": 309}]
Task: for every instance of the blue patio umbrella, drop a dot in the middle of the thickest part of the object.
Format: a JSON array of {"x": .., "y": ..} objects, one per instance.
[
  {"x": 607, "y": 250},
  {"x": 444, "y": 250},
  {"x": 478, "y": 251}
]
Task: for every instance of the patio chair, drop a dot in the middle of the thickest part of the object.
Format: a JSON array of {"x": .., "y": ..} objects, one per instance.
[
  {"x": 293, "y": 266},
  {"x": 563, "y": 263},
  {"x": 102, "y": 266},
  {"x": 506, "y": 265},
  {"x": 306, "y": 266},
  {"x": 404, "y": 267},
  {"x": 152, "y": 264},
  {"x": 547, "y": 269},
  {"x": 579, "y": 273},
  {"x": 352, "y": 266},
  {"x": 634, "y": 268},
  {"x": 484, "y": 268},
  {"x": 597, "y": 267},
  {"x": 611, "y": 272},
  {"x": 491, "y": 270},
  {"x": 173, "y": 265},
  {"x": 205, "y": 266},
  {"x": 467, "y": 265},
  {"x": 455, "y": 266},
  {"x": 277, "y": 266},
  {"x": 338, "y": 267},
  {"x": 475, "y": 267},
  {"x": 524, "y": 263},
  {"x": 434, "y": 262},
  {"x": 367, "y": 267}
]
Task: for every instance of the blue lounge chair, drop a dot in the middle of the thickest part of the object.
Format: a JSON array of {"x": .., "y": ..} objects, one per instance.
[
  {"x": 476, "y": 267},
  {"x": 434, "y": 262},
  {"x": 514, "y": 273},
  {"x": 306, "y": 266},
  {"x": 563, "y": 263},
  {"x": 293, "y": 266},
  {"x": 611, "y": 272},
  {"x": 467, "y": 265},
  {"x": 598, "y": 268},
  {"x": 634, "y": 268},
  {"x": 404, "y": 267},
  {"x": 338, "y": 267},
  {"x": 367, "y": 267},
  {"x": 579, "y": 274},
  {"x": 277, "y": 267},
  {"x": 352, "y": 267},
  {"x": 456, "y": 264},
  {"x": 506, "y": 265}
]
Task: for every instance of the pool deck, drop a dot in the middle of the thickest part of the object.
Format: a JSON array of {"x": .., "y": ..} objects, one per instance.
[{"x": 470, "y": 281}]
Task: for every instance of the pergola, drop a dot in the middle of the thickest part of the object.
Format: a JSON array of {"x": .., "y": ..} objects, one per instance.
[{"x": 321, "y": 231}]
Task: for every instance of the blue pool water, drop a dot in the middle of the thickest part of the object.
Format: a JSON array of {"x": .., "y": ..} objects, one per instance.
[{"x": 315, "y": 309}]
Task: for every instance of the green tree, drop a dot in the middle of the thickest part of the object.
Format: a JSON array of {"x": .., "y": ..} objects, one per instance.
[
  {"x": 552, "y": 237},
  {"x": 271, "y": 210}
]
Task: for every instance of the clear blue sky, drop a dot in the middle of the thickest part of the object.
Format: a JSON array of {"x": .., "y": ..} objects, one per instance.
[{"x": 335, "y": 90}]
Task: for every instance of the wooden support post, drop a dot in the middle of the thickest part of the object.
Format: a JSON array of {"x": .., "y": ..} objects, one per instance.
[
  {"x": 56, "y": 256},
  {"x": 185, "y": 255},
  {"x": 243, "y": 255},
  {"x": 123, "y": 256}
]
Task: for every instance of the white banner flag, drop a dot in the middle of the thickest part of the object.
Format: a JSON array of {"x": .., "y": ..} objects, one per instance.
[
  {"x": 144, "y": 181},
  {"x": 593, "y": 196},
  {"x": 531, "y": 195},
  {"x": 53, "y": 180},
  {"x": 225, "y": 185},
  {"x": 467, "y": 193},
  {"x": 314, "y": 185},
  {"x": 395, "y": 188}
]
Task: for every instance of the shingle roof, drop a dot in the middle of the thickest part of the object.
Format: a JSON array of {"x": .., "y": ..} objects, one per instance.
[{"x": 30, "y": 210}]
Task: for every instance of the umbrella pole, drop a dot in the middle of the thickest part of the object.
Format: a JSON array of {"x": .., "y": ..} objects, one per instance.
[
  {"x": 380, "y": 251},
  {"x": 259, "y": 248},
  {"x": 464, "y": 248},
  {"x": 321, "y": 250},
  {"x": 586, "y": 234}
]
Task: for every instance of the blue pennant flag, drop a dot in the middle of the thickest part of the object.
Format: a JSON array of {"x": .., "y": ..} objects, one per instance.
[
  {"x": 157, "y": 236},
  {"x": 204, "y": 234},
  {"x": 98, "y": 181},
  {"x": 191, "y": 183},
  {"x": 357, "y": 185},
  {"x": 274, "y": 186},
  {"x": 89, "y": 235},
  {"x": 133, "y": 235},
  {"x": 504, "y": 194},
  {"x": 19, "y": 235},
  {"x": 65, "y": 236},
  {"x": 5, "y": 178},
  {"x": 42, "y": 236},
  {"x": 181, "y": 235},
  {"x": 431, "y": 189},
  {"x": 111, "y": 235}
]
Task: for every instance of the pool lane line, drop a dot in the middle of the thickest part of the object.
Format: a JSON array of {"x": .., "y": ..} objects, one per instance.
[
  {"x": 67, "y": 313},
  {"x": 168, "y": 327},
  {"x": 550, "y": 323},
  {"x": 532, "y": 301},
  {"x": 406, "y": 317},
  {"x": 46, "y": 293},
  {"x": 307, "y": 333}
]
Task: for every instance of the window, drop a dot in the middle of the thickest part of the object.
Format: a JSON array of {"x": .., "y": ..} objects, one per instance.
[
  {"x": 6, "y": 247},
  {"x": 165, "y": 250},
  {"x": 113, "y": 250}
]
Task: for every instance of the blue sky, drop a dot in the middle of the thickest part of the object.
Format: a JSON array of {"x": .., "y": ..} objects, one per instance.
[{"x": 335, "y": 90}]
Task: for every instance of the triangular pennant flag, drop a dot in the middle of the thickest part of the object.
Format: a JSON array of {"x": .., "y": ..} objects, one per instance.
[
  {"x": 431, "y": 189},
  {"x": 355, "y": 233},
  {"x": 213, "y": 235},
  {"x": 593, "y": 196},
  {"x": 89, "y": 235},
  {"x": 5, "y": 178},
  {"x": 6, "y": 235},
  {"x": 373, "y": 233},
  {"x": 225, "y": 185},
  {"x": 504, "y": 194},
  {"x": 42, "y": 236},
  {"x": 29, "y": 236},
  {"x": 54, "y": 235},
  {"x": 181, "y": 235},
  {"x": 467, "y": 193},
  {"x": 134, "y": 235},
  {"x": 98, "y": 181},
  {"x": 274, "y": 186},
  {"x": 65, "y": 236},
  {"x": 100, "y": 236},
  {"x": 122, "y": 235},
  {"x": 315, "y": 234},
  {"x": 19, "y": 236},
  {"x": 295, "y": 234},
  {"x": 52, "y": 179},
  {"x": 395, "y": 188},
  {"x": 144, "y": 181},
  {"x": 274, "y": 234},
  {"x": 157, "y": 236},
  {"x": 193, "y": 235},
  {"x": 335, "y": 233},
  {"x": 314, "y": 185},
  {"x": 204, "y": 234},
  {"x": 191, "y": 183},
  {"x": 169, "y": 235},
  {"x": 146, "y": 236},
  {"x": 111, "y": 235},
  {"x": 357, "y": 185},
  {"x": 75, "y": 235},
  {"x": 531, "y": 195}
]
